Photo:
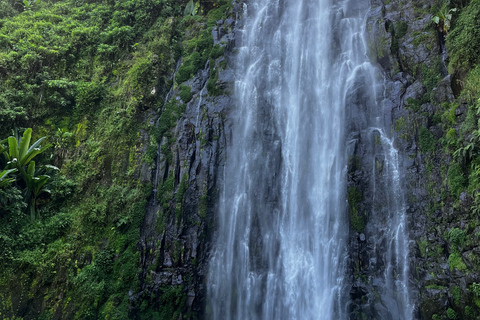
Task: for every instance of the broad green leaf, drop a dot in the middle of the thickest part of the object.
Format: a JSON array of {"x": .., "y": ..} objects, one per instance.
[
  {"x": 189, "y": 9},
  {"x": 31, "y": 154},
  {"x": 49, "y": 166},
  {"x": 25, "y": 142},
  {"x": 13, "y": 148},
  {"x": 39, "y": 183},
  {"x": 3, "y": 177},
  {"x": 36, "y": 144},
  {"x": 31, "y": 169}
]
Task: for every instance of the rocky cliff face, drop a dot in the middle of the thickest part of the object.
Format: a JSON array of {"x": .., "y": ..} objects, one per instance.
[
  {"x": 180, "y": 217},
  {"x": 411, "y": 56}
]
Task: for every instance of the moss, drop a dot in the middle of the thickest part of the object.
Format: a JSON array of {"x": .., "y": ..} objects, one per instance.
[
  {"x": 420, "y": 38},
  {"x": 218, "y": 13},
  {"x": 422, "y": 247},
  {"x": 400, "y": 124},
  {"x": 455, "y": 262},
  {"x": 180, "y": 197},
  {"x": 150, "y": 154},
  {"x": 456, "y": 294},
  {"x": 451, "y": 314},
  {"x": 456, "y": 179},
  {"x": 212, "y": 86},
  {"x": 203, "y": 206},
  {"x": 431, "y": 75},
  {"x": 471, "y": 86},
  {"x": 401, "y": 29},
  {"x": 168, "y": 119},
  {"x": 435, "y": 287},
  {"x": 165, "y": 194},
  {"x": 457, "y": 237},
  {"x": 470, "y": 312},
  {"x": 195, "y": 55},
  {"x": 357, "y": 221}
]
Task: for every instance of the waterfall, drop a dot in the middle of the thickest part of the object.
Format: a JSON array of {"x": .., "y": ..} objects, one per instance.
[
  {"x": 393, "y": 284},
  {"x": 280, "y": 249}
]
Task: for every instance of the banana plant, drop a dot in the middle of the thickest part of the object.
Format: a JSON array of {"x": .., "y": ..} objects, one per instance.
[
  {"x": 35, "y": 187},
  {"x": 20, "y": 153},
  {"x": 443, "y": 19},
  {"x": 4, "y": 181}
]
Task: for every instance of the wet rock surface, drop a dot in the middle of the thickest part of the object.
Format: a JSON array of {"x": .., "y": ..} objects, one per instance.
[
  {"x": 406, "y": 46},
  {"x": 180, "y": 218}
]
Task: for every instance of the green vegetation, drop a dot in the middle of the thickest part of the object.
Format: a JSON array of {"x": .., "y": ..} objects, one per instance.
[
  {"x": 185, "y": 93},
  {"x": 357, "y": 221},
  {"x": 457, "y": 236},
  {"x": 451, "y": 314},
  {"x": 19, "y": 158},
  {"x": 447, "y": 134},
  {"x": 84, "y": 75},
  {"x": 463, "y": 41},
  {"x": 443, "y": 18},
  {"x": 456, "y": 180},
  {"x": 455, "y": 262},
  {"x": 426, "y": 140}
]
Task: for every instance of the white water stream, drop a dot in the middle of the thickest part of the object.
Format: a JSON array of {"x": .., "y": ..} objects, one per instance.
[{"x": 281, "y": 241}]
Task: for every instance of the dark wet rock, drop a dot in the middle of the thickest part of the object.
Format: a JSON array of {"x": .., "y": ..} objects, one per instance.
[
  {"x": 414, "y": 91},
  {"x": 362, "y": 237},
  {"x": 402, "y": 45},
  {"x": 177, "y": 229},
  {"x": 443, "y": 92}
]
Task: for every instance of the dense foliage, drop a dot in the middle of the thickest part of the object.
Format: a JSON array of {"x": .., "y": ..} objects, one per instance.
[{"x": 84, "y": 75}]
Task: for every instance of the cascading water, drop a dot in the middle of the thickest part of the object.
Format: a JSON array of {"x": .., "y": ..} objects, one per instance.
[
  {"x": 393, "y": 285},
  {"x": 281, "y": 245}
]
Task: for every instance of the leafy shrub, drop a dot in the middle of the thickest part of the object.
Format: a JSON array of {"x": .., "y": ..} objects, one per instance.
[
  {"x": 456, "y": 179},
  {"x": 426, "y": 140},
  {"x": 212, "y": 86},
  {"x": 471, "y": 88},
  {"x": 463, "y": 42},
  {"x": 401, "y": 29},
  {"x": 89, "y": 95},
  {"x": 217, "y": 51},
  {"x": 457, "y": 236},
  {"x": 185, "y": 93},
  {"x": 451, "y": 137}
]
